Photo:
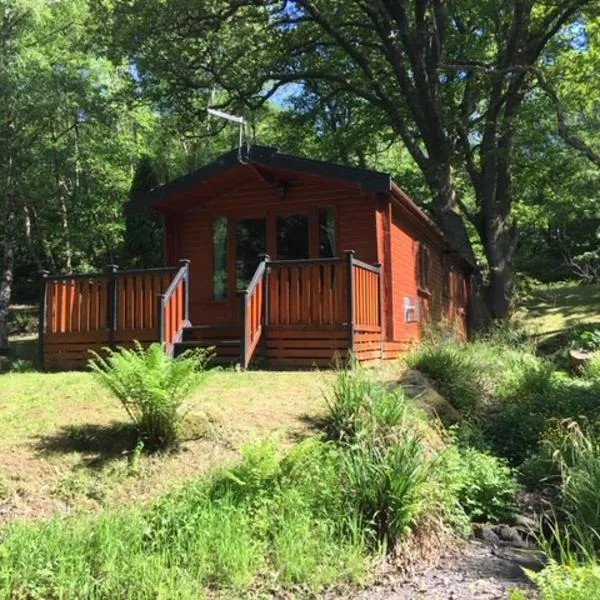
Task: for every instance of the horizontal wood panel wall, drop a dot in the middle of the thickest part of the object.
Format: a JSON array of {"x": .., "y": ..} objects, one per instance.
[{"x": 190, "y": 232}]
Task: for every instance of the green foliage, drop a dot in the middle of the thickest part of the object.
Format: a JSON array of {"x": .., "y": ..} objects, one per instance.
[
  {"x": 152, "y": 387},
  {"x": 273, "y": 521},
  {"x": 591, "y": 369},
  {"x": 588, "y": 340},
  {"x": 483, "y": 485},
  {"x": 455, "y": 373},
  {"x": 386, "y": 484},
  {"x": 510, "y": 393},
  {"x": 357, "y": 403},
  {"x": 567, "y": 582}
]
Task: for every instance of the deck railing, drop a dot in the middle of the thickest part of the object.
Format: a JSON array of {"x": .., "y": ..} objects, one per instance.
[
  {"x": 174, "y": 308},
  {"x": 329, "y": 293},
  {"x": 253, "y": 299},
  {"x": 112, "y": 307}
]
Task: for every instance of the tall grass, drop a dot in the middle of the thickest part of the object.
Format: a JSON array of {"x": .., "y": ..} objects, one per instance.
[{"x": 272, "y": 521}]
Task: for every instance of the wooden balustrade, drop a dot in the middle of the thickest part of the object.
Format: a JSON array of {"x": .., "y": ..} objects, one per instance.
[
  {"x": 253, "y": 302},
  {"x": 308, "y": 293},
  {"x": 367, "y": 309},
  {"x": 76, "y": 304},
  {"x": 81, "y": 312},
  {"x": 173, "y": 308}
]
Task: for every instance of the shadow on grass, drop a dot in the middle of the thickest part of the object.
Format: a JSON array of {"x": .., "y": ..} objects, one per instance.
[
  {"x": 553, "y": 341},
  {"x": 314, "y": 425},
  {"x": 100, "y": 443}
]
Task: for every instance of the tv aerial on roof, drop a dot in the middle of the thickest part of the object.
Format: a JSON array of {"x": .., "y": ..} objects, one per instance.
[{"x": 232, "y": 119}]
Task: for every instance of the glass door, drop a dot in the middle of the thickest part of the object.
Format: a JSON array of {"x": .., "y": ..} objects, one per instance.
[
  {"x": 250, "y": 243},
  {"x": 292, "y": 237}
]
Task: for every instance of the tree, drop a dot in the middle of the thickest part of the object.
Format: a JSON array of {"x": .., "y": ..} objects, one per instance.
[
  {"x": 449, "y": 79},
  {"x": 143, "y": 233}
]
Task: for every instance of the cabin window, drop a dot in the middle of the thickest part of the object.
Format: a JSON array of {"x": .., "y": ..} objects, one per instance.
[
  {"x": 327, "y": 232},
  {"x": 292, "y": 237},
  {"x": 250, "y": 244},
  {"x": 424, "y": 267},
  {"x": 220, "y": 258}
]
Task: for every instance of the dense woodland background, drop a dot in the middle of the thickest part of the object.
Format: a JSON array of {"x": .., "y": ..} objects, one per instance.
[{"x": 486, "y": 111}]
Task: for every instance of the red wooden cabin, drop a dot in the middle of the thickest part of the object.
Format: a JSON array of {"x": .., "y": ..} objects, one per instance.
[{"x": 294, "y": 260}]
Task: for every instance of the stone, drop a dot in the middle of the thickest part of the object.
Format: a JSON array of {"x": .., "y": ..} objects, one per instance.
[
  {"x": 487, "y": 534},
  {"x": 510, "y": 535},
  {"x": 419, "y": 388}
]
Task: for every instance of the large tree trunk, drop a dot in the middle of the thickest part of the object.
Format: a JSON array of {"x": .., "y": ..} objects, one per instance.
[{"x": 8, "y": 262}]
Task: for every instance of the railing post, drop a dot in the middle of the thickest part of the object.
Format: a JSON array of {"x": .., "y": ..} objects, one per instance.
[
  {"x": 244, "y": 341},
  {"x": 42, "y": 315},
  {"x": 184, "y": 262},
  {"x": 350, "y": 283},
  {"x": 380, "y": 307},
  {"x": 160, "y": 319},
  {"x": 111, "y": 304},
  {"x": 265, "y": 308}
]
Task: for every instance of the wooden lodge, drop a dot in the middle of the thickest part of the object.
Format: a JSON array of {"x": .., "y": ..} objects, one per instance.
[{"x": 275, "y": 256}]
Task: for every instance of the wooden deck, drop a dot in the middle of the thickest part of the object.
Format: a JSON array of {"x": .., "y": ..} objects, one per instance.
[{"x": 294, "y": 314}]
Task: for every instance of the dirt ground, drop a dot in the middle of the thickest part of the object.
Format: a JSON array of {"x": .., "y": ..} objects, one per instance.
[{"x": 475, "y": 571}]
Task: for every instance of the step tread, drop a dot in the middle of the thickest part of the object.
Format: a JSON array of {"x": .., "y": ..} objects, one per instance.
[{"x": 203, "y": 343}]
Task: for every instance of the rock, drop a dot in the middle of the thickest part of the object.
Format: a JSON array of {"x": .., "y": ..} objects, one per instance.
[
  {"x": 526, "y": 524},
  {"x": 487, "y": 534},
  {"x": 417, "y": 387},
  {"x": 510, "y": 535}
]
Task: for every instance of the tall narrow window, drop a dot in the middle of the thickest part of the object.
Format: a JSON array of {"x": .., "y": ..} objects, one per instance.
[
  {"x": 250, "y": 243},
  {"x": 292, "y": 237},
  {"x": 220, "y": 258},
  {"x": 424, "y": 259},
  {"x": 327, "y": 232}
]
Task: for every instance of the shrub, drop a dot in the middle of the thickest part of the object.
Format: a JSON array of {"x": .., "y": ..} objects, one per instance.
[
  {"x": 385, "y": 484},
  {"x": 360, "y": 405},
  {"x": 152, "y": 387},
  {"x": 454, "y": 372},
  {"x": 482, "y": 485},
  {"x": 567, "y": 582},
  {"x": 591, "y": 369}
]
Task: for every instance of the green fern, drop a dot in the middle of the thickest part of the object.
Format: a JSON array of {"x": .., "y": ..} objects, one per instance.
[{"x": 152, "y": 387}]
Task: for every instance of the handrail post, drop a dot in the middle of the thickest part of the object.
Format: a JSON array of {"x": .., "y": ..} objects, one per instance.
[
  {"x": 111, "y": 305},
  {"x": 42, "y": 315},
  {"x": 265, "y": 308},
  {"x": 350, "y": 283},
  {"x": 185, "y": 262},
  {"x": 244, "y": 341},
  {"x": 380, "y": 306},
  {"x": 160, "y": 320}
]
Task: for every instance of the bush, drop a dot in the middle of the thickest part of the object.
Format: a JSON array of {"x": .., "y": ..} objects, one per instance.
[
  {"x": 359, "y": 405},
  {"x": 454, "y": 372},
  {"x": 385, "y": 484},
  {"x": 482, "y": 485},
  {"x": 567, "y": 582},
  {"x": 152, "y": 387}
]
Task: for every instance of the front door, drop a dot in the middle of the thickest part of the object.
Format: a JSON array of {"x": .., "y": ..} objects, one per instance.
[{"x": 238, "y": 244}]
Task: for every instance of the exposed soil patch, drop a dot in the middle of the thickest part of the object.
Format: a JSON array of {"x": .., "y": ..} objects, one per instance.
[{"x": 476, "y": 571}]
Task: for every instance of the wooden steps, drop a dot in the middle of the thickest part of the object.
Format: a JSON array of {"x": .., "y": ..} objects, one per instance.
[{"x": 225, "y": 339}]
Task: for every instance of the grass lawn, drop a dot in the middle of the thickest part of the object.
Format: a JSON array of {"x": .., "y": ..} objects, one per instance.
[
  {"x": 65, "y": 444},
  {"x": 554, "y": 310}
]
